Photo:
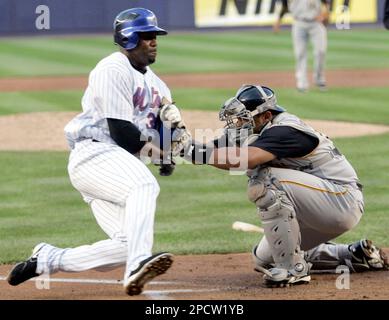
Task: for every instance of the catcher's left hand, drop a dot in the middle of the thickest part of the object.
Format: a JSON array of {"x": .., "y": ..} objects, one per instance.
[{"x": 181, "y": 140}]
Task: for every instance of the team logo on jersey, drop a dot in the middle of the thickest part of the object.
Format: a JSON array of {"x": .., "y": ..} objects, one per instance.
[
  {"x": 139, "y": 99},
  {"x": 141, "y": 103}
]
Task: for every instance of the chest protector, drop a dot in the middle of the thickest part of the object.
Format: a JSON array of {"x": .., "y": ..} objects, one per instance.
[{"x": 325, "y": 161}]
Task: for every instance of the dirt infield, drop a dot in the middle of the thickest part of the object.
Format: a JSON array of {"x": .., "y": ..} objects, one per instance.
[
  {"x": 44, "y": 131},
  {"x": 200, "y": 277},
  {"x": 277, "y": 79}
]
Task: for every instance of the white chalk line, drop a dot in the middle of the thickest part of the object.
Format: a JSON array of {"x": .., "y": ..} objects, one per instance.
[
  {"x": 153, "y": 293},
  {"x": 93, "y": 281}
]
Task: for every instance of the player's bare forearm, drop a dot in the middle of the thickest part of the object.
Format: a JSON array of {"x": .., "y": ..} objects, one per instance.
[
  {"x": 244, "y": 158},
  {"x": 284, "y": 10},
  {"x": 323, "y": 17},
  {"x": 277, "y": 23},
  {"x": 226, "y": 158}
]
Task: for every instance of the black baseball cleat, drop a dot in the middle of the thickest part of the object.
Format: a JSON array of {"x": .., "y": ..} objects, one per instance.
[
  {"x": 366, "y": 256},
  {"x": 322, "y": 87},
  {"x": 148, "y": 269},
  {"x": 25, "y": 270}
]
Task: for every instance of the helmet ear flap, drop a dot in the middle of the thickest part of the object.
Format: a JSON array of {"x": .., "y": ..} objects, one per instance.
[
  {"x": 124, "y": 41},
  {"x": 128, "y": 42}
]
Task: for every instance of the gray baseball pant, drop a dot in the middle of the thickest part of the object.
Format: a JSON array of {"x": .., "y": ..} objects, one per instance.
[
  {"x": 324, "y": 211},
  {"x": 302, "y": 32}
]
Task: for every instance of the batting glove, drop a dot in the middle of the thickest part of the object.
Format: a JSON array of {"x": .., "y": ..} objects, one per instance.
[{"x": 171, "y": 115}]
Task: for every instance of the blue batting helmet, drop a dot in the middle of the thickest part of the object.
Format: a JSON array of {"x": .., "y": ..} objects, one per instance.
[{"x": 129, "y": 23}]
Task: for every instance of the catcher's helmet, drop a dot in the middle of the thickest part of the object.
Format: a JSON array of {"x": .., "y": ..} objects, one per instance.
[
  {"x": 129, "y": 23},
  {"x": 249, "y": 101}
]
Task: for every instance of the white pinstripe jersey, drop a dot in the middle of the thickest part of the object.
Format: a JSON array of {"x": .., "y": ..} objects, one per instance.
[{"x": 117, "y": 90}]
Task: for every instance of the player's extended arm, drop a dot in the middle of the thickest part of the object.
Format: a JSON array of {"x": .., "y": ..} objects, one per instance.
[
  {"x": 245, "y": 158},
  {"x": 324, "y": 16},
  {"x": 386, "y": 15},
  {"x": 226, "y": 157},
  {"x": 284, "y": 10}
]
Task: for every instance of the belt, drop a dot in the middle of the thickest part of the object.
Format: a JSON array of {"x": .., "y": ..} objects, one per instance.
[
  {"x": 306, "y": 20},
  {"x": 357, "y": 185},
  {"x": 354, "y": 185}
]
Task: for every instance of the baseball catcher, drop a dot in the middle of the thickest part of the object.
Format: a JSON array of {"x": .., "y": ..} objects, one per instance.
[{"x": 305, "y": 190}]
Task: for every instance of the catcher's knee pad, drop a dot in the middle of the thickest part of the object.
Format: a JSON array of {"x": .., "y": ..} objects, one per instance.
[
  {"x": 279, "y": 221},
  {"x": 261, "y": 187}
]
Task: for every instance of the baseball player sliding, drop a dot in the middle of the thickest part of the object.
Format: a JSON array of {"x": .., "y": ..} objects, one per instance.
[
  {"x": 305, "y": 190},
  {"x": 121, "y": 113}
]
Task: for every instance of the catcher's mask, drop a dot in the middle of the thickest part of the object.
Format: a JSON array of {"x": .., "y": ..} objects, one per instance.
[{"x": 239, "y": 111}]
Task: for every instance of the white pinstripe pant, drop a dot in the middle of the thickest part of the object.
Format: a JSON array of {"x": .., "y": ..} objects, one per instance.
[{"x": 122, "y": 193}]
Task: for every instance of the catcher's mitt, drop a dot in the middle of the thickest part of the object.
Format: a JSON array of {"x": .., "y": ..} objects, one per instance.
[{"x": 166, "y": 169}]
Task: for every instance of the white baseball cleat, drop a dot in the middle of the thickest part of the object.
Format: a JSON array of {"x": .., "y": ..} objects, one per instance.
[
  {"x": 277, "y": 278},
  {"x": 148, "y": 269}
]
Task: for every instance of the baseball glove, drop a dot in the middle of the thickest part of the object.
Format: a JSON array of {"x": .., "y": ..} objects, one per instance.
[
  {"x": 181, "y": 140},
  {"x": 166, "y": 169},
  {"x": 324, "y": 18}
]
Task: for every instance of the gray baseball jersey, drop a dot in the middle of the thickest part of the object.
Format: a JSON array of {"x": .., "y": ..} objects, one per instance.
[
  {"x": 305, "y": 10},
  {"x": 324, "y": 190},
  {"x": 325, "y": 162}
]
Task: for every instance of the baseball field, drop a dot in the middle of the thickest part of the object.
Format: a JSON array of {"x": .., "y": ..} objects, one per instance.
[{"x": 41, "y": 84}]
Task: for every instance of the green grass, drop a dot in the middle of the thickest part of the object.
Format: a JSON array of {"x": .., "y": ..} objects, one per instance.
[
  {"x": 40, "y": 101},
  {"x": 192, "y": 52},
  {"x": 347, "y": 104},
  {"x": 196, "y": 206},
  {"x": 38, "y": 203}
]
